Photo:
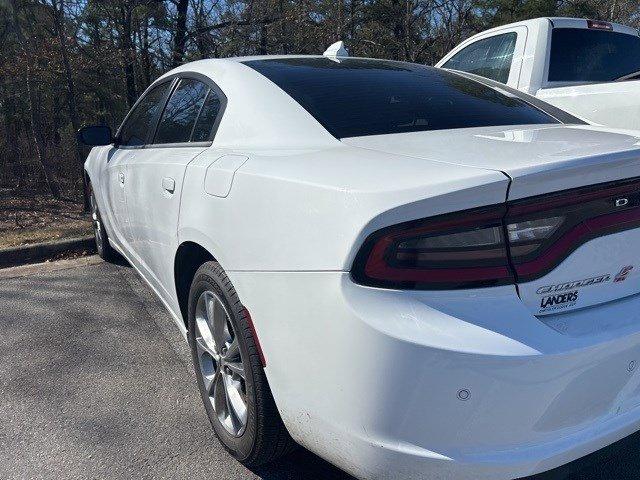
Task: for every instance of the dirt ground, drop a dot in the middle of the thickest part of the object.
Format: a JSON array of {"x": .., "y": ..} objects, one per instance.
[{"x": 26, "y": 219}]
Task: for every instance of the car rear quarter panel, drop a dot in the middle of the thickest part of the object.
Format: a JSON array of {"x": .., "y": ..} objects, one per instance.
[{"x": 311, "y": 210}]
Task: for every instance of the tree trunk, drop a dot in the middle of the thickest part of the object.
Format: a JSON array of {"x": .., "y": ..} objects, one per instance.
[
  {"x": 180, "y": 38},
  {"x": 144, "y": 46},
  {"x": 37, "y": 127},
  {"x": 58, "y": 15},
  {"x": 263, "y": 50},
  {"x": 126, "y": 51},
  {"x": 10, "y": 163}
]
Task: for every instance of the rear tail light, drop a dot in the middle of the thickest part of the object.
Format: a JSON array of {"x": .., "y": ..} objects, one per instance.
[
  {"x": 566, "y": 220},
  {"x": 533, "y": 230},
  {"x": 496, "y": 245},
  {"x": 461, "y": 250},
  {"x": 599, "y": 25}
]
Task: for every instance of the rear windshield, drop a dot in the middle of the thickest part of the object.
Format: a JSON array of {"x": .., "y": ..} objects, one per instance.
[
  {"x": 357, "y": 97},
  {"x": 582, "y": 55}
]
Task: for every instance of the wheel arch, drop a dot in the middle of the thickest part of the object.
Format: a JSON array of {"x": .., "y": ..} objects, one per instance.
[
  {"x": 87, "y": 177},
  {"x": 189, "y": 256}
]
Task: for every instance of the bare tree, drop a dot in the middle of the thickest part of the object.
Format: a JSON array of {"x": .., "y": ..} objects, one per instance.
[
  {"x": 180, "y": 36},
  {"x": 58, "y": 14},
  {"x": 37, "y": 128},
  {"x": 102, "y": 53}
]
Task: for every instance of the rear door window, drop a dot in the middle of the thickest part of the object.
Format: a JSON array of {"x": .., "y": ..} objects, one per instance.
[
  {"x": 583, "y": 55},
  {"x": 490, "y": 57},
  {"x": 179, "y": 116}
]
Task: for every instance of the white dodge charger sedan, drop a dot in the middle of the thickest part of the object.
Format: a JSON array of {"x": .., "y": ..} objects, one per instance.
[{"x": 413, "y": 273}]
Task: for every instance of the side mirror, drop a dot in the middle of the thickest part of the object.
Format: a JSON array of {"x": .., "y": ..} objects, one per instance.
[{"x": 95, "y": 135}]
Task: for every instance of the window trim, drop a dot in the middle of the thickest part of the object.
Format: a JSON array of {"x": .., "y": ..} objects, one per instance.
[
  {"x": 175, "y": 79},
  {"x": 214, "y": 129}
]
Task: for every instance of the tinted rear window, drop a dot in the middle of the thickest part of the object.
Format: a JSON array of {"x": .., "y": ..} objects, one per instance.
[
  {"x": 356, "y": 97},
  {"x": 582, "y": 55}
]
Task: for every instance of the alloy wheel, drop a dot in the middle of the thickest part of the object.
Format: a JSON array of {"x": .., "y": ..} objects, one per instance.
[
  {"x": 221, "y": 364},
  {"x": 95, "y": 220}
]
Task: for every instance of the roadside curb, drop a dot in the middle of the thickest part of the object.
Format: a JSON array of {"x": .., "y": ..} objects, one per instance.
[{"x": 37, "y": 252}]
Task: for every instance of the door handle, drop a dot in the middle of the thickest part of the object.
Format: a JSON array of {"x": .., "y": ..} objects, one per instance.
[{"x": 169, "y": 184}]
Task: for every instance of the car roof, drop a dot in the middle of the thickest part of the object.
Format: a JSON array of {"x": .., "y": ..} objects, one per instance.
[
  {"x": 264, "y": 113},
  {"x": 272, "y": 57},
  {"x": 266, "y": 116}
]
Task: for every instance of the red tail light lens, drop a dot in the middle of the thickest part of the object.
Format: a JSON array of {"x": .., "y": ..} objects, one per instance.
[
  {"x": 517, "y": 242},
  {"x": 562, "y": 222},
  {"x": 463, "y": 250}
]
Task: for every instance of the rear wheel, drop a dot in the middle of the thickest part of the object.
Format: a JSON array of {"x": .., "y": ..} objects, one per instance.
[
  {"x": 103, "y": 247},
  {"x": 229, "y": 372}
]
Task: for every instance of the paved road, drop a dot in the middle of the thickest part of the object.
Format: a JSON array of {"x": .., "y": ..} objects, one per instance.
[{"x": 95, "y": 382}]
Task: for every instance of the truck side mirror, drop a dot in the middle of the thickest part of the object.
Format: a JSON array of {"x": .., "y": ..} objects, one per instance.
[{"x": 95, "y": 135}]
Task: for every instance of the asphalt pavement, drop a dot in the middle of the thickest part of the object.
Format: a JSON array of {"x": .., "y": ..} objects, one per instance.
[{"x": 96, "y": 382}]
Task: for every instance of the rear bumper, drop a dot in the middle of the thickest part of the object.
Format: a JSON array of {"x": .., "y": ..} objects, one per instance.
[
  {"x": 377, "y": 460},
  {"x": 376, "y": 381}
]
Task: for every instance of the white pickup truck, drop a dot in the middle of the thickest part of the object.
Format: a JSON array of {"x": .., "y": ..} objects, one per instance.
[{"x": 588, "y": 68}]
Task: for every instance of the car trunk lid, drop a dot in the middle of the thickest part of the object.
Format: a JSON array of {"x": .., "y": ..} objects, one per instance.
[
  {"x": 573, "y": 205},
  {"x": 538, "y": 159}
]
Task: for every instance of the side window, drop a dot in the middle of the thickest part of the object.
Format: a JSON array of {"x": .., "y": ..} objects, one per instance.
[
  {"x": 490, "y": 57},
  {"x": 207, "y": 119},
  {"x": 180, "y": 114},
  {"x": 136, "y": 128}
]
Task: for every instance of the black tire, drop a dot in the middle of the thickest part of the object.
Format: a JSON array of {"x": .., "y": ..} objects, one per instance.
[
  {"x": 103, "y": 247},
  {"x": 264, "y": 438}
]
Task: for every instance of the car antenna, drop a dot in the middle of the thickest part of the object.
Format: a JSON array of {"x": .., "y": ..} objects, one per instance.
[{"x": 336, "y": 50}]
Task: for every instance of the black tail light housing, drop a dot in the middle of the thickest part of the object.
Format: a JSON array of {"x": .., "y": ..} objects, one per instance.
[
  {"x": 585, "y": 213},
  {"x": 496, "y": 245},
  {"x": 461, "y": 250}
]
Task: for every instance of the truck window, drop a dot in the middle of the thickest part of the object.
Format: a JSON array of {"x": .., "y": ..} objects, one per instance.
[
  {"x": 490, "y": 57},
  {"x": 583, "y": 55}
]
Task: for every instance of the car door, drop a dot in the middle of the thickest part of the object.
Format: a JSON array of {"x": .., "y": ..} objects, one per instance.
[
  {"x": 130, "y": 141},
  {"x": 113, "y": 188},
  {"x": 154, "y": 178}
]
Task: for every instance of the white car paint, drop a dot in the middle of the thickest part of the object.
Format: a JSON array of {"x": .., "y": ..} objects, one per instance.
[
  {"x": 390, "y": 383},
  {"x": 538, "y": 159},
  {"x": 614, "y": 104}
]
